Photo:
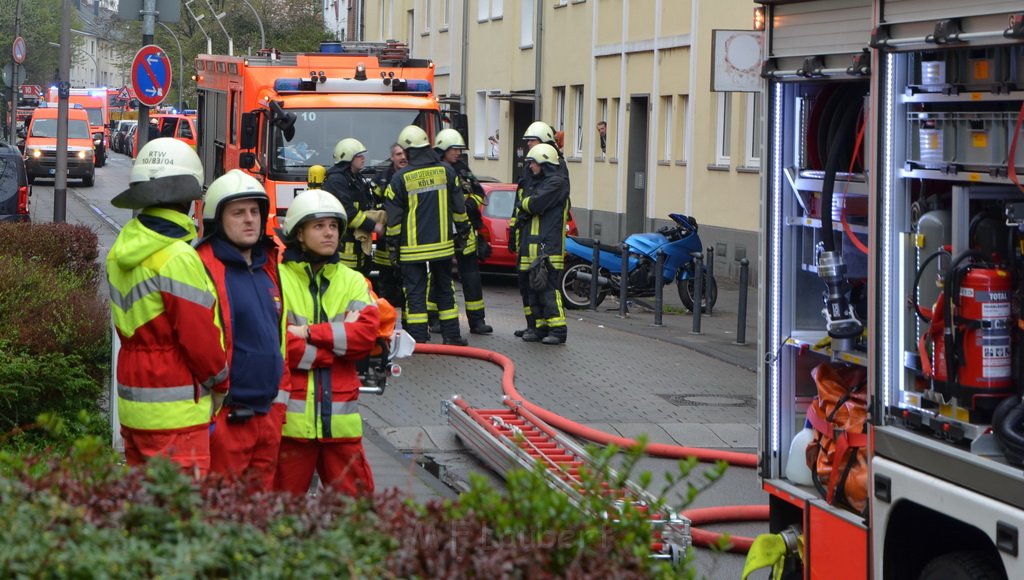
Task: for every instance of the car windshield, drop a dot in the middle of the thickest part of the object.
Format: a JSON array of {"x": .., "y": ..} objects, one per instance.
[
  {"x": 77, "y": 129},
  {"x": 95, "y": 116},
  {"x": 500, "y": 203},
  {"x": 317, "y": 131}
]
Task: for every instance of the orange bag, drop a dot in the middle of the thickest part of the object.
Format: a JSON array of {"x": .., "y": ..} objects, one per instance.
[
  {"x": 388, "y": 318},
  {"x": 838, "y": 454}
]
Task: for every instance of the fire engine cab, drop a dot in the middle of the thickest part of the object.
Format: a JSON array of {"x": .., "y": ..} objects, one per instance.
[
  {"x": 275, "y": 115},
  {"x": 892, "y": 294}
]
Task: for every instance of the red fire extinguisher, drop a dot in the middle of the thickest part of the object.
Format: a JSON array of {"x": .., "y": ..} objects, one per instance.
[{"x": 983, "y": 322}]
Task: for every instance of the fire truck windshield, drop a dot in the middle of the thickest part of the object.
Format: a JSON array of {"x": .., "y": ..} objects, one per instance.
[
  {"x": 95, "y": 116},
  {"x": 317, "y": 131}
]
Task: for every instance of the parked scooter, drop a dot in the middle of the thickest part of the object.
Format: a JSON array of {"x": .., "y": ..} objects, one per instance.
[{"x": 678, "y": 242}]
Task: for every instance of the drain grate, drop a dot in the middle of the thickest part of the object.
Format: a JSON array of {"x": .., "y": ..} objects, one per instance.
[{"x": 709, "y": 400}]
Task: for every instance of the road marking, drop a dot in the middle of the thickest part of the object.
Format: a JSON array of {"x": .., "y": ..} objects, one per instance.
[{"x": 99, "y": 212}]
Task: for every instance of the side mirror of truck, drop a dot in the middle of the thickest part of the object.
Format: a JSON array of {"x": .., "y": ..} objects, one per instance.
[
  {"x": 246, "y": 160},
  {"x": 250, "y": 130},
  {"x": 284, "y": 121}
]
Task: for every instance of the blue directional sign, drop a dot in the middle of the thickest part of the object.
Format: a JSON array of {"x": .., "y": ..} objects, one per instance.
[{"x": 151, "y": 75}]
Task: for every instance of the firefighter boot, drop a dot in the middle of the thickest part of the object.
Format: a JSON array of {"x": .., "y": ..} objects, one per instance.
[
  {"x": 450, "y": 330},
  {"x": 530, "y": 325},
  {"x": 477, "y": 325}
]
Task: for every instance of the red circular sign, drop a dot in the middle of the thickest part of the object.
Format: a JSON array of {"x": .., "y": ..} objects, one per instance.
[
  {"x": 151, "y": 75},
  {"x": 18, "y": 50}
]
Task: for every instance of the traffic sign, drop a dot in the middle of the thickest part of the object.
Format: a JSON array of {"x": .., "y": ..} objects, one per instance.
[
  {"x": 151, "y": 75},
  {"x": 18, "y": 50},
  {"x": 8, "y": 75},
  {"x": 124, "y": 94}
]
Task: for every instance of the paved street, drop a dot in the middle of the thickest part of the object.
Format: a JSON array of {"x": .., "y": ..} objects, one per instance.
[{"x": 623, "y": 376}]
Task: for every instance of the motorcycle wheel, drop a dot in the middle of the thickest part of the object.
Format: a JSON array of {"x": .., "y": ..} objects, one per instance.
[
  {"x": 686, "y": 289},
  {"x": 575, "y": 293}
]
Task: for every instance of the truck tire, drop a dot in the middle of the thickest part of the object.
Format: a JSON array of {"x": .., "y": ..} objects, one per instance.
[
  {"x": 576, "y": 294},
  {"x": 962, "y": 566}
]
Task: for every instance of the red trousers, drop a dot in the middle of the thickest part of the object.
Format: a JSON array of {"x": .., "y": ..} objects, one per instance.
[
  {"x": 189, "y": 448},
  {"x": 341, "y": 465},
  {"x": 249, "y": 448}
]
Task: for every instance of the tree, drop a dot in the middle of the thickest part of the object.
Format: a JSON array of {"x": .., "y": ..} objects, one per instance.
[{"x": 40, "y": 25}]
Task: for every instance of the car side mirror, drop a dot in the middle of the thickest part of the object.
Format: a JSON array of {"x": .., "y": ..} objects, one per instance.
[{"x": 246, "y": 160}]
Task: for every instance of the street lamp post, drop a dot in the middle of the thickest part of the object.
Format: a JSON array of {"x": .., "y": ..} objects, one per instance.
[
  {"x": 263, "y": 37},
  {"x": 181, "y": 67},
  {"x": 209, "y": 42},
  {"x": 217, "y": 17}
]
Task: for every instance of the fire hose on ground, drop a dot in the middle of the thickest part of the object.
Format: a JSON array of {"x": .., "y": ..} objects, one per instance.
[{"x": 704, "y": 516}]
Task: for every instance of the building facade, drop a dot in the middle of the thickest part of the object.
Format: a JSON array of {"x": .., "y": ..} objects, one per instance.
[{"x": 642, "y": 68}]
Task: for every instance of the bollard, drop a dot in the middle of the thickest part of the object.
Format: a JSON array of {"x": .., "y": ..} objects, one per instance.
[
  {"x": 741, "y": 312},
  {"x": 710, "y": 266},
  {"x": 659, "y": 287},
  {"x": 624, "y": 281},
  {"x": 698, "y": 290},
  {"x": 595, "y": 263}
]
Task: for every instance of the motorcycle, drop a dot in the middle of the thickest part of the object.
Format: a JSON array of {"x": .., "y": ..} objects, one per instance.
[{"x": 678, "y": 242}]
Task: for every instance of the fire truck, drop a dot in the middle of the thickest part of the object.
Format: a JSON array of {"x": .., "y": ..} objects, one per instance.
[
  {"x": 892, "y": 264},
  {"x": 277, "y": 114},
  {"x": 94, "y": 101}
]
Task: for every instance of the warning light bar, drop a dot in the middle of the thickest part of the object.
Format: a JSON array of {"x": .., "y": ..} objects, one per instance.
[{"x": 325, "y": 85}]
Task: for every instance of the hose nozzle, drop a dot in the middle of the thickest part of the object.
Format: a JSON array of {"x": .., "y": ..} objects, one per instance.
[{"x": 840, "y": 318}]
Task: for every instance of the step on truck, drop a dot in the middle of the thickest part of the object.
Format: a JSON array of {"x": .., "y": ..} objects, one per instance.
[
  {"x": 277, "y": 114},
  {"x": 892, "y": 252}
]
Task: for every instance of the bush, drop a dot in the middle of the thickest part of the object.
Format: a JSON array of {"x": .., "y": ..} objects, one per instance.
[{"x": 59, "y": 246}]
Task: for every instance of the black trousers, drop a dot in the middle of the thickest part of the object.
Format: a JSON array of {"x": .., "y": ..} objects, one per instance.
[
  {"x": 472, "y": 289},
  {"x": 415, "y": 277},
  {"x": 388, "y": 285}
]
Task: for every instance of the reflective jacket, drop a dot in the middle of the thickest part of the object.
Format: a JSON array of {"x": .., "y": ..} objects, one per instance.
[
  {"x": 355, "y": 194},
  {"x": 541, "y": 218},
  {"x": 425, "y": 208},
  {"x": 380, "y": 184},
  {"x": 335, "y": 302},
  {"x": 165, "y": 312},
  {"x": 257, "y": 394}
]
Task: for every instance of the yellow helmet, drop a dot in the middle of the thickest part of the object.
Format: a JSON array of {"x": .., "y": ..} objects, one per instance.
[
  {"x": 447, "y": 139},
  {"x": 347, "y": 150},
  {"x": 315, "y": 176},
  {"x": 413, "y": 137},
  {"x": 543, "y": 153},
  {"x": 313, "y": 204},
  {"x": 540, "y": 131}
]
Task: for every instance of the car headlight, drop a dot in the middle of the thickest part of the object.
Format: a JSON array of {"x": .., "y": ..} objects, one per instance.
[
  {"x": 96, "y": 141},
  {"x": 81, "y": 154},
  {"x": 36, "y": 153}
]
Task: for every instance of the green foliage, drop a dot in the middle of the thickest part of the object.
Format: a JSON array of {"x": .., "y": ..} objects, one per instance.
[{"x": 40, "y": 25}]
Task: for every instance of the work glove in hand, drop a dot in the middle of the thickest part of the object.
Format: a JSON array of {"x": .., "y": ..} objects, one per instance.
[
  {"x": 512, "y": 245},
  {"x": 461, "y": 239},
  {"x": 393, "y": 255},
  {"x": 483, "y": 249}
]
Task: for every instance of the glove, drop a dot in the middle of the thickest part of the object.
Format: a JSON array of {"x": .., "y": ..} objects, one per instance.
[
  {"x": 483, "y": 249},
  {"x": 512, "y": 246},
  {"x": 461, "y": 239},
  {"x": 393, "y": 255}
]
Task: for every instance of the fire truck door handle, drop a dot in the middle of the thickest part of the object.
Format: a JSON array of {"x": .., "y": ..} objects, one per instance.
[{"x": 883, "y": 488}]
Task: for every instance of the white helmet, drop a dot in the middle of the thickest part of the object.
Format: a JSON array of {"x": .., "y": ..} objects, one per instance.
[
  {"x": 413, "y": 137},
  {"x": 540, "y": 131},
  {"x": 313, "y": 204},
  {"x": 347, "y": 150},
  {"x": 166, "y": 171},
  {"x": 447, "y": 139},
  {"x": 234, "y": 185},
  {"x": 543, "y": 153}
]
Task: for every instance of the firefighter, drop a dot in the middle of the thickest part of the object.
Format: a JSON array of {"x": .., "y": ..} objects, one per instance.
[
  {"x": 345, "y": 181},
  {"x": 449, "y": 145},
  {"x": 537, "y": 133},
  {"x": 242, "y": 261},
  {"x": 164, "y": 307},
  {"x": 424, "y": 207},
  {"x": 332, "y": 324},
  {"x": 542, "y": 211},
  {"x": 388, "y": 284}
]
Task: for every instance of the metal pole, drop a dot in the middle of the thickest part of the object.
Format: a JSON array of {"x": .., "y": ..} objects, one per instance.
[
  {"x": 148, "y": 29},
  {"x": 741, "y": 312},
  {"x": 12, "y": 133},
  {"x": 698, "y": 290},
  {"x": 659, "y": 287},
  {"x": 263, "y": 37},
  {"x": 624, "y": 281},
  {"x": 181, "y": 67},
  {"x": 710, "y": 266},
  {"x": 231, "y": 43},
  {"x": 209, "y": 41},
  {"x": 595, "y": 266},
  {"x": 60, "y": 183}
]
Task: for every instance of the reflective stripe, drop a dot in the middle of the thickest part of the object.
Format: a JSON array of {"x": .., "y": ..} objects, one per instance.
[
  {"x": 297, "y": 406},
  {"x": 216, "y": 379},
  {"x": 308, "y": 358},
  {"x": 156, "y": 394},
  {"x": 450, "y": 314},
  {"x": 340, "y": 338},
  {"x": 356, "y": 306},
  {"x": 344, "y": 408},
  {"x": 297, "y": 319},
  {"x": 282, "y": 397},
  {"x": 474, "y": 304},
  {"x": 158, "y": 283},
  {"x": 416, "y": 317}
]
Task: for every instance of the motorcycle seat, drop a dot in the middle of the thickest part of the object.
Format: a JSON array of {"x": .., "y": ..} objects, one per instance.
[{"x": 589, "y": 243}]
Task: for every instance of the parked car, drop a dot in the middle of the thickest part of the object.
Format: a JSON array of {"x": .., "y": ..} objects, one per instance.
[
  {"x": 41, "y": 146},
  {"x": 128, "y": 146},
  {"x": 117, "y": 138},
  {"x": 500, "y": 201},
  {"x": 14, "y": 190}
]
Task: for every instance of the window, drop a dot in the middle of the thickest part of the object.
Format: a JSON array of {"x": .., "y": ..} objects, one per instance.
[
  {"x": 601, "y": 143},
  {"x": 480, "y": 125},
  {"x": 489, "y": 9},
  {"x": 559, "y": 124},
  {"x": 723, "y": 129},
  {"x": 667, "y": 128},
  {"x": 426, "y": 16},
  {"x": 526, "y": 24},
  {"x": 753, "y": 140},
  {"x": 577, "y": 142},
  {"x": 446, "y": 13},
  {"x": 497, "y": 8},
  {"x": 493, "y": 135},
  {"x": 410, "y": 28},
  {"x": 613, "y": 128},
  {"x": 684, "y": 138}
]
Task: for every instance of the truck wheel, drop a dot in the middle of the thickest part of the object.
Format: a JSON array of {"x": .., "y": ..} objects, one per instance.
[
  {"x": 687, "y": 287},
  {"x": 962, "y": 566},
  {"x": 576, "y": 293}
]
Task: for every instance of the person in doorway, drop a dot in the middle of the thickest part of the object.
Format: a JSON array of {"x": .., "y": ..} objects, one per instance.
[
  {"x": 165, "y": 313},
  {"x": 424, "y": 207},
  {"x": 242, "y": 261},
  {"x": 542, "y": 211},
  {"x": 332, "y": 324},
  {"x": 345, "y": 181},
  {"x": 450, "y": 145},
  {"x": 388, "y": 284},
  {"x": 602, "y": 133}
]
